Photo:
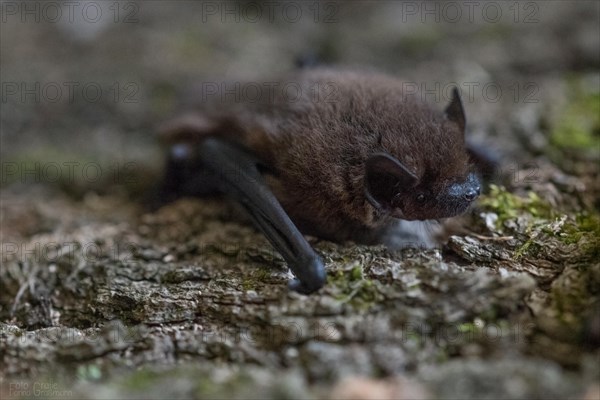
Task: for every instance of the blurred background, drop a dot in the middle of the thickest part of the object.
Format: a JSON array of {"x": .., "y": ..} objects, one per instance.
[{"x": 88, "y": 82}]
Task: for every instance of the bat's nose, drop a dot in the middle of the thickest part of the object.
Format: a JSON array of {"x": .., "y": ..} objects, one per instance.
[{"x": 472, "y": 193}]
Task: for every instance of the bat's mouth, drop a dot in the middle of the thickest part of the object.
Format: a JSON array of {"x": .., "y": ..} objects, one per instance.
[
  {"x": 445, "y": 211},
  {"x": 449, "y": 205}
]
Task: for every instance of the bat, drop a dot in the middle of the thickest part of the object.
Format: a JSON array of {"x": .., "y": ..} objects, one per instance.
[{"x": 343, "y": 159}]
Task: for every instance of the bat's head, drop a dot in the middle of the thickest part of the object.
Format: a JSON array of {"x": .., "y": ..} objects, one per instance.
[{"x": 437, "y": 183}]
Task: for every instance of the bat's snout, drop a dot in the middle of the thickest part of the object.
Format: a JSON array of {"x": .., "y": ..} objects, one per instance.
[
  {"x": 472, "y": 193},
  {"x": 467, "y": 191}
]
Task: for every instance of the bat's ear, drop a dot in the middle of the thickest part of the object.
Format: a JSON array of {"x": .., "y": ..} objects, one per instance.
[
  {"x": 384, "y": 176},
  {"x": 455, "y": 111}
]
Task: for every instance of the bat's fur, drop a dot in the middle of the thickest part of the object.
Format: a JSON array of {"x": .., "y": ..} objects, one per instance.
[{"x": 315, "y": 148}]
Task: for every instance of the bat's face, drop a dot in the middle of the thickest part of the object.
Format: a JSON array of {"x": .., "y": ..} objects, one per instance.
[
  {"x": 424, "y": 202},
  {"x": 392, "y": 188},
  {"x": 439, "y": 185}
]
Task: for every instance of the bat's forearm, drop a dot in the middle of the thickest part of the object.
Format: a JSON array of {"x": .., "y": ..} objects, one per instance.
[{"x": 237, "y": 175}]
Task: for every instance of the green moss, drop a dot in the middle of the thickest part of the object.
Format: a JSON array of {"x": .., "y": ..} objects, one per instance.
[
  {"x": 353, "y": 288},
  {"x": 529, "y": 247},
  {"x": 509, "y": 206},
  {"x": 584, "y": 231},
  {"x": 578, "y": 126},
  {"x": 356, "y": 273},
  {"x": 585, "y": 224}
]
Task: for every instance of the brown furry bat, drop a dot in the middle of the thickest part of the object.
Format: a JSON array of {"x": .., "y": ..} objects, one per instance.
[{"x": 344, "y": 157}]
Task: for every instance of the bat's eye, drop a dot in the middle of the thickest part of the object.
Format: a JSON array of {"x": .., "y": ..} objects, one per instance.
[{"x": 421, "y": 198}]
